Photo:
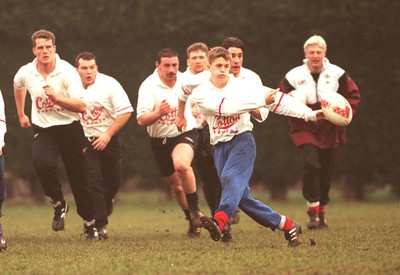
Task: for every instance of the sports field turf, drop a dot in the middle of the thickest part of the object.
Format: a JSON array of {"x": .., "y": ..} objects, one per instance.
[{"x": 148, "y": 236}]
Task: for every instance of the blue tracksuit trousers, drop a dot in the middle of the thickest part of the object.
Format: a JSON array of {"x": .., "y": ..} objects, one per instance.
[{"x": 235, "y": 161}]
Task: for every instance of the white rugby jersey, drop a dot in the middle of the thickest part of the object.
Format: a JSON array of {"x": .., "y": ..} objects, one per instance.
[
  {"x": 105, "y": 99},
  {"x": 64, "y": 80},
  {"x": 190, "y": 81},
  {"x": 193, "y": 80},
  {"x": 246, "y": 74},
  {"x": 226, "y": 110},
  {"x": 3, "y": 126},
  {"x": 249, "y": 75},
  {"x": 151, "y": 93}
]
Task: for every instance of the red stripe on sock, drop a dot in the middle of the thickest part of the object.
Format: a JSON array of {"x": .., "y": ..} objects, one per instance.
[{"x": 288, "y": 224}]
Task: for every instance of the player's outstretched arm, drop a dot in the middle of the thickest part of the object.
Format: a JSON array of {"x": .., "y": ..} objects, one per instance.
[{"x": 289, "y": 106}]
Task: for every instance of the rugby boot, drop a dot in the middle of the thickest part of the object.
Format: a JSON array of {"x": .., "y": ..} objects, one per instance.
[
  {"x": 194, "y": 231},
  {"x": 211, "y": 225},
  {"x": 322, "y": 220},
  {"x": 60, "y": 210},
  {"x": 90, "y": 231},
  {"x": 293, "y": 235},
  {"x": 3, "y": 243},
  {"x": 227, "y": 233},
  {"x": 102, "y": 231},
  {"x": 313, "y": 219},
  {"x": 194, "y": 223}
]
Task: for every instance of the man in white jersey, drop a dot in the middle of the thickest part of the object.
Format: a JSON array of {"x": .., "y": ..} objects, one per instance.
[
  {"x": 3, "y": 191},
  {"x": 156, "y": 109},
  {"x": 108, "y": 110},
  {"x": 57, "y": 99},
  {"x": 235, "y": 47},
  {"x": 227, "y": 104},
  {"x": 197, "y": 61}
]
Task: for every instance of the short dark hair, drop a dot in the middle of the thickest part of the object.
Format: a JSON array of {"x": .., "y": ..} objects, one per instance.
[
  {"x": 43, "y": 34},
  {"x": 84, "y": 56},
  {"x": 166, "y": 52},
  {"x": 232, "y": 42}
]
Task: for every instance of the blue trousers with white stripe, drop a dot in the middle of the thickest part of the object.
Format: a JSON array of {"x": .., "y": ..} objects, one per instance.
[{"x": 235, "y": 161}]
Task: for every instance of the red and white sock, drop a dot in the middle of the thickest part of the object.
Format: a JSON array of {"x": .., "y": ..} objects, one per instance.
[
  {"x": 313, "y": 206},
  {"x": 285, "y": 223},
  {"x": 221, "y": 218}
]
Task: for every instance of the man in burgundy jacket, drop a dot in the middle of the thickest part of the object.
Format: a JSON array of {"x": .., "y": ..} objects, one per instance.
[{"x": 317, "y": 140}]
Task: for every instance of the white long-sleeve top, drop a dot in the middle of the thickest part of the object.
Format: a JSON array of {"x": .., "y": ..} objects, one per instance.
[
  {"x": 227, "y": 110},
  {"x": 190, "y": 81},
  {"x": 3, "y": 126}
]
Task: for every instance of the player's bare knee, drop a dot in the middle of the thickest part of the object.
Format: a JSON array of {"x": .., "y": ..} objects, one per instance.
[
  {"x": 182, "y": 168},
  {"x": 176, "y": 188}
]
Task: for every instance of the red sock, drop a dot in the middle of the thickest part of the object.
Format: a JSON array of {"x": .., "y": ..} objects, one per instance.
[
  {"x": 315, "y": 208},
  {"x": 321, "y": 209},
  {"x": 288, "y": 224},
  {"x": 221, "y": 218}
]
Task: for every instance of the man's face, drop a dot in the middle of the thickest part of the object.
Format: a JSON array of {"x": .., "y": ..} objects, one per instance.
[
  {"x": 44, "y": 51},
  {"x": 315, "y": 56},
  {"x": 219, "y": 72},
  {"x": 87, "y": 70},
  {"x": 197, "y": 61},
  {"x": 168, "y": 68},
  {"x": 237, "y": 60}
]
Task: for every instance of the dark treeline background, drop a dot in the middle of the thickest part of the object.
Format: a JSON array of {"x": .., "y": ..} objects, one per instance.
[{"x": 362, "y": 36}]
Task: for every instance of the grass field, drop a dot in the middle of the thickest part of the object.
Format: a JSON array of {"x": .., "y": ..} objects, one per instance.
[{"x": 148, "y": 236}]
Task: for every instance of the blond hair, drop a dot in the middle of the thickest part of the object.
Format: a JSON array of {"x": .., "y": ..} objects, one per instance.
[{"x": 315, "y": 40}]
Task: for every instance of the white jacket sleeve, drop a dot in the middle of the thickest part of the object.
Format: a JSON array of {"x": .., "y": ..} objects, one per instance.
[{"x": 288, "y": 106}]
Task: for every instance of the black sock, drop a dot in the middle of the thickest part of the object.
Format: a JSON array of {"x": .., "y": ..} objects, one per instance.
[
  {"x": 187, "y": 214},
  {"x": 193, "y": 201}
]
